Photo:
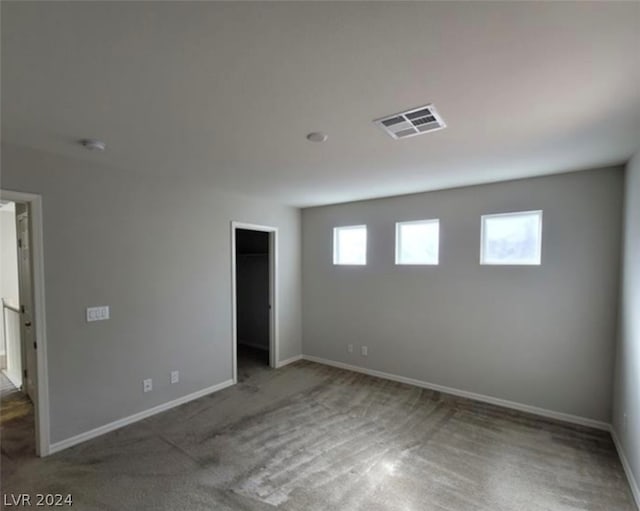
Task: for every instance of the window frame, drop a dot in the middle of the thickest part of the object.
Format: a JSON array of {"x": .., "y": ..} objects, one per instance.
[
  {"x": 398, "y": 243},
  {"x": 485, "y": 262},
  {"x": 336, "y": 244}
]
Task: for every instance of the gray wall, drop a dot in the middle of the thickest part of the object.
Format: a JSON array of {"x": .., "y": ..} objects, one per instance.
[
  {"x": 542, "y": 336},
  {"x": 157, "y": 252},
  {"x": 627, "y": 387}
]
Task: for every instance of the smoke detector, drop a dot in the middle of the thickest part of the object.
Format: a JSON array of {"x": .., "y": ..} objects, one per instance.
[
  {"x": 93, "y": 144},
  {"x": 411, "y": 123}
]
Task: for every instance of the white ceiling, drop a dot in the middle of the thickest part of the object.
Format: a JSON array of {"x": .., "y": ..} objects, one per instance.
[{"x": 225, "y": 93}]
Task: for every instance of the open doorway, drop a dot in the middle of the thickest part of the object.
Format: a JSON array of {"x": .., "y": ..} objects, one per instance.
[
  {"x": 11, "y": 347},
  {"x": 253, "y": 298},
  {"x": 24, "y": 397},
  {"x": 18, "y": 363}
]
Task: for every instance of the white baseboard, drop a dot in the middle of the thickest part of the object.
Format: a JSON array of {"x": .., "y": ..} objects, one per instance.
[
  {"x": 288, "y": 361},
  {"x": 565, "y": 417},
  {"x": 16, "y": 383},
  {"x": 635, "y": 489},
  {"x": 88, "y": 435}
]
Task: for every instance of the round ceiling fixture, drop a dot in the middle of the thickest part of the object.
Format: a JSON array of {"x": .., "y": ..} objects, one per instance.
[
  {"x": 317, "y": 136},
  {"x": 93, "y": 144}
]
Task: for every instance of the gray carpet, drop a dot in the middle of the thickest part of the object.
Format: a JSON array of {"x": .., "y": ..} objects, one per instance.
[{"x": 308, "y": 437}]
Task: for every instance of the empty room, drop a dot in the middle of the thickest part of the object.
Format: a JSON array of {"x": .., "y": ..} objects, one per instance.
[{"x": 320, "y": 255}]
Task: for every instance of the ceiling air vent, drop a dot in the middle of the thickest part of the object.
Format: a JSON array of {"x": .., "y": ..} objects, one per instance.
[{"x": 416, "y": 121}]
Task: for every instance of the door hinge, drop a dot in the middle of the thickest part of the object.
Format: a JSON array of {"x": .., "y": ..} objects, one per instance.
[
  {"x": 35, "y": 345},
  {"x": 22, "y": 309},
  {"x": 19, "y": 243},
  {"x": 24, "y": 373}
]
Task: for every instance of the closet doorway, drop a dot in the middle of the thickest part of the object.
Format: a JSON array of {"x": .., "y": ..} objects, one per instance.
[{"x": 253, "y": 298}]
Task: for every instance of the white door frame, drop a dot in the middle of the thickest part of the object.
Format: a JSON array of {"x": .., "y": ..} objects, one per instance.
[
  {"x": 37, "y": 253},
  {"x": 273, "y": 294}
]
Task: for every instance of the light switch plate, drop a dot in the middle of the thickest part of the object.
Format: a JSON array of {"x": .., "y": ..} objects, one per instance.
[
  {"x": 175, "y": 376},
  {"x": 99, "y": 313}
]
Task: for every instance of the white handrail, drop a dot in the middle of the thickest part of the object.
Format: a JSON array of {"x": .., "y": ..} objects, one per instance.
[{"x": 5, "y": 305}]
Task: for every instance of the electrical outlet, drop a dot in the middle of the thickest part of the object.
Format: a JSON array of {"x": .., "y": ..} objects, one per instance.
[
  {"x": 147, "y": 385},
  {"x": 350, "y": 348},
  {"x": 175, "y": 376},
  {"x": 365, "y": 351}
]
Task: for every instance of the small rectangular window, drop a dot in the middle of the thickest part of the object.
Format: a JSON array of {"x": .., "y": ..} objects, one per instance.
[
  {"x": 350, "y": 245},
  {"x": 418, "y": 242},
  {"x": 512, "y": 238}
]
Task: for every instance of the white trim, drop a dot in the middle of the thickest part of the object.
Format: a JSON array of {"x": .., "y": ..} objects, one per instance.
[
  {"x": 17, "y": 384},
  {"x": 112, "y": 426},
  {"x": 274, "y": 344},
  {"x": 565, "y": 417},
  {"x": 42, "y": 419},
  {"x": 635, "y": 489},
  {"x": 288, "y": 361}
]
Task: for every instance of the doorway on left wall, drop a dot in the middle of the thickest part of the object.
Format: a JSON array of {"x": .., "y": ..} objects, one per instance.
[{"x": 18, "y": 360}]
